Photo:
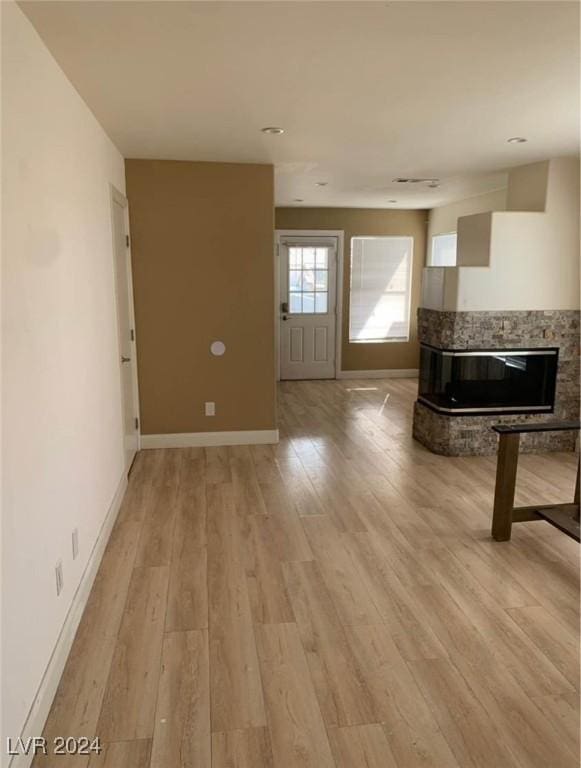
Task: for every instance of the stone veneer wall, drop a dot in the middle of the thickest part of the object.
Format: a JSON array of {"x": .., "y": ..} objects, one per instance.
[{"x": 472, "y": 435}]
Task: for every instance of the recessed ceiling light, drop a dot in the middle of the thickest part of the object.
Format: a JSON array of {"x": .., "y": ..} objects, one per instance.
[
  {"x": 517, "y": 140},
  {"x": 272, "y": 129},
  {"x": 322, "y": 183}
]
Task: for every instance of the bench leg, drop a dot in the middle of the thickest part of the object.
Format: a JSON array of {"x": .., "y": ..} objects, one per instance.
[
  {"x": 506, "y": 467},
  {"x": 576, "y": 499}
]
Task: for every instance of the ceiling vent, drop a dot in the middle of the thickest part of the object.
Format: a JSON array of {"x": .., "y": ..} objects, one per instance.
[{"x": 416, "y": 181}]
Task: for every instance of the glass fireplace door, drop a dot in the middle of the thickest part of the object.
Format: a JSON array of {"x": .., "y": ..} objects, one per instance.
[{"x": 502, "y": 381}]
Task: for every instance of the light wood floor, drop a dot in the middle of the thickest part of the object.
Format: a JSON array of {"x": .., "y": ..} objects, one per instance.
[{"x": 335, "y": 600}]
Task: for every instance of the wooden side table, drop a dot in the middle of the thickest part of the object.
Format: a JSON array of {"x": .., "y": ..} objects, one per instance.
[{"x": 562, "y": 516}]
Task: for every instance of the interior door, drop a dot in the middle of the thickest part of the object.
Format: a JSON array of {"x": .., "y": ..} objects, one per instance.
[
  {"x": 308, "y": 278},
  {"x": 125, "y": 325}
]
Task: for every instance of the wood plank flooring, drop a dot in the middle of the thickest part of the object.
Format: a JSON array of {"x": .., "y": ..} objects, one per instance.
[{"x": 332, "y": 601}]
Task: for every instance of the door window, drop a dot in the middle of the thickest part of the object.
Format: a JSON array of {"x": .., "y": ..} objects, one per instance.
[{"x": 308, "y": 280}]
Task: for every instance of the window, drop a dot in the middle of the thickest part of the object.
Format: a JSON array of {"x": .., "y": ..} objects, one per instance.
[
  {"x": 381, "y": 270},
  {"x": 444, "y": 250},
  {"x": 308, "y": 280}
]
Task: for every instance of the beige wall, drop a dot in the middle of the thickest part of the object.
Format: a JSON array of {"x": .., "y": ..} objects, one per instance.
[
  {"x": 362, "y": 221},
  {"x": 202, "y": 250}
]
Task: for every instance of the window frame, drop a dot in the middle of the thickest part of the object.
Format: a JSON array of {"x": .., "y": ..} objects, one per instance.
[{"x": 388, "y": 339}]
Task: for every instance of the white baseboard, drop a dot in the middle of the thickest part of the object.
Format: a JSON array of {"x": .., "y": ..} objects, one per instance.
[
  {"x": 207, "y": 439},
  {"x": 388, "y": 373},
  {"x": 42, "y": 703}
]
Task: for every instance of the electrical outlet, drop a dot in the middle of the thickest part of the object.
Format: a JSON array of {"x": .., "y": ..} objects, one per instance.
[
  {"x": 59, "y": 577},
  {"x": 210, "y": 409},
  {"x": 75, "y": 542}
]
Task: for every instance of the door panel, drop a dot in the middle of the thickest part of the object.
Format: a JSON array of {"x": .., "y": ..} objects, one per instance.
[
  {"x": 321, "y": 345},
  {"x": 296, "y": 345},
  {"x": 308, "y": 269}
]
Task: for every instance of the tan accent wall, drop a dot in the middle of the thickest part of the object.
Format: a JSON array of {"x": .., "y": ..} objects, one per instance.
[
  {"x": 202, "y": 253},
  {"x": 359, "y": 221}
]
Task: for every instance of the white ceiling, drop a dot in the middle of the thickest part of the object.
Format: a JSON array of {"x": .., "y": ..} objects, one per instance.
[{"x": 366, "y": 91}]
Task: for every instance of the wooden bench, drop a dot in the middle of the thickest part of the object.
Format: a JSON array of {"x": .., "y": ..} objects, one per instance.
[{"x": 562, "y": 516}]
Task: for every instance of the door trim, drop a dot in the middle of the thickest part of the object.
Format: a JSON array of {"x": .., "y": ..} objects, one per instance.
[
  {"x": 120, "y": 199},
  {"x": 339, "y": 235}
]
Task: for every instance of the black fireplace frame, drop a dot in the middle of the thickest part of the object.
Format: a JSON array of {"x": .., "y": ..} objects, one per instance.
[{"x": 494, "y": 410}]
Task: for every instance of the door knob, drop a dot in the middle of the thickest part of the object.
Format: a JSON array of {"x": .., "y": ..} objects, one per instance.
[{"x": 125, "y": 359}]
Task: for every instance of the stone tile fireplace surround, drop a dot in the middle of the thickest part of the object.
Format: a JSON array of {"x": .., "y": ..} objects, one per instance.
[{"x": 468, "y": 435}]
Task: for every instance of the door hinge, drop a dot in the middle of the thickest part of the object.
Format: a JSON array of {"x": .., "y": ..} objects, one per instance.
[
  {"x": 132, "y": 335},
  {"x": 127, "y": 240},
  {"x": 136, "y": 423}
]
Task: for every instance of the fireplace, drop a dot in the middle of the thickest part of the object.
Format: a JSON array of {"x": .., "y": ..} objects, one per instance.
[
  {"x": 494, "y": 381},
  {"x": 484, "y": 368}
]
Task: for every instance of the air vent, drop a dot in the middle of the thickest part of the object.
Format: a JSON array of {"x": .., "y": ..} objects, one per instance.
[{"x": 431, "y": 182}]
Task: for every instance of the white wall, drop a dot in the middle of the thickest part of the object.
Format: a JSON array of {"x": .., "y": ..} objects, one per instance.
[
  {"x": 527, "y": 270},
  {"x": 533, "y": 258},
  {"x": 445, "y": 218},
  {"x": 61, "y": 399}
]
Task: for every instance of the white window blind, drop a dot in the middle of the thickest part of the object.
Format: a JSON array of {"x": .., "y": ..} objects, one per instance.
[
  {"x": 381, "y": 270},
  {"x": 444, "y": 250}
]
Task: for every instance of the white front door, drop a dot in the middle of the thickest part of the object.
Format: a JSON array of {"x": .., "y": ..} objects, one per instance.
[
  {"x": 125, "y": 325},
  {"x": 308, "y": 278}
]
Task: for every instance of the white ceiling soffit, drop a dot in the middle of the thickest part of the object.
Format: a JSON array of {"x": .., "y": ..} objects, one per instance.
[{"x": 365, "y": 91}]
